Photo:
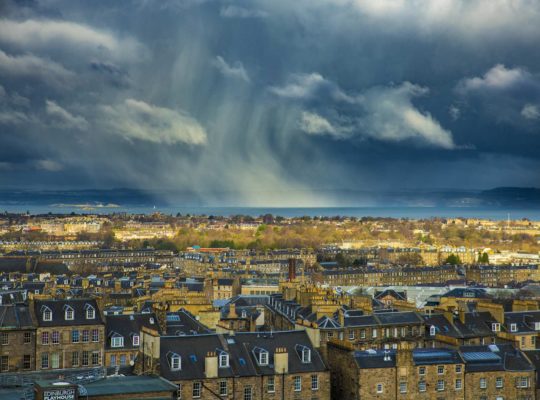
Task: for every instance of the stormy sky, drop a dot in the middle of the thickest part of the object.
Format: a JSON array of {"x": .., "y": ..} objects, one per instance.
[{"x": 280, "y": 102}]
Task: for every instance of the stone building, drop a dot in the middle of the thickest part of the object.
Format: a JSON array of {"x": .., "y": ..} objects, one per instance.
[
  {"x": 70, "y": 334},
  {"x": 249, "y": 366},
  {"x": 470, "y": 372},
  {"x": 17, "y": 338},
  {"x": 122, "y": 337}
]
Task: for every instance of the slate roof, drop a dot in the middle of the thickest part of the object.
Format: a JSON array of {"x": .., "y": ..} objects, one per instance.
[
  {"x": 15, "y": 316},
  {"x": 58, "y": 312},
  {"x": 477, "y": 324},
  {"x": 436, "y": 356},
  {"x": 241, "y": 349},
  {"x": 182, "y": 323},
  {"x": 369, "y": 359},
  {"x": 396, "y": 318},
  {"x": 128, "y": 326},
  {"x": 500, "y": 357},
  {"x": 524, "y": 321}
]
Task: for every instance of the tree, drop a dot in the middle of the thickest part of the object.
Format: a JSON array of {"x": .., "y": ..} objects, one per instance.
[
  {"x": 452, "y": 259},
  {"x": 483, "y": 258}
]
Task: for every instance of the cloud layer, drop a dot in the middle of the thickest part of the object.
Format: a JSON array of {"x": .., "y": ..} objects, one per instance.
[{"x": 270, "y": 102}]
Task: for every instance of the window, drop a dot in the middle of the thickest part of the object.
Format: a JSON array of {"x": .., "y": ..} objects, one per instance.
[
  {"x": 85, "y": 358},
  {"x": 4, "y": 363},
  {"x": 306, "y": 355},
  {"x": 75, "y": 359},
  {"x": 248, "y": 393},
  {"x": 362, "y": 333},
  {"x": 459, "y": 384},
  {"x": 27, "y": 337},
  {"x": 537, "y": 326},
  {"x": 297, "y": 383},
  {"x": 402, "y": 387},
  {"x": 75, "y": 336},
  {"x": 95, "y": 335},
  {"x": 458, "y": 369},
  {"x": 440, "y": 370},
  {"x": 499, "y": 382},
  {"x": 176, "y": 362},
  {"x": 55, "y": 360},
  {"x": 271, "y": 385},
  {"x": 90, "y": 313},
  {"x": 55, "y": 337},
  {"x": 69, "y": 314},
  {"x": 123, "y": 360},
  {"x": 351, "y": 335},
  {"x": 85, "y": 336},
  {"x": 496, "y": 327},
  {"x": 223, "y": 388},
  {"x": 27, "y": 359},
  {"x": 513, "y": 327},
  {"x": 95, "y": 358},
  {"x": 483, "y": 383},
  {"x": 422, "y": 386},
  {"x": 223, "y": 360},
  {"x": 45, "y": 360},
  {"x": 374, "y": 333},
  {"x": 44, "y": 337},
  {"x": 197, "y": 388},
  {"x": 440, "y": 385},
  {"x": 422, "y": 371},
  {"x": 117, "y": 341},
  {"x": 4, "y": 338},
  {"x": 47, "y": 314},
  {"x": 263, "y": 358},
  {"x": 523, "y": 382},
  {"x": 314, "y": 382},
  {"x": 136, "y": 339},
  {"x": 379, "y": 387},
  {"x": 179, "y": 391}
]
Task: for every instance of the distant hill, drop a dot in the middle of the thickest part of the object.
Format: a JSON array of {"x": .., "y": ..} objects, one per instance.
[
  {"x": 511, "y": 197},
  {"x": 501, "y": 197}
]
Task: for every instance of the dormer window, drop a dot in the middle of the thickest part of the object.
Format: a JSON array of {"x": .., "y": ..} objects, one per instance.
[
  {"x": 223, "y": 360},
  {"x": 136, "y": 340},
  {"x": 432, "y": 330},
  {"x": 117, "y": 341},
  {"x": 175, "y": 361},
  {"x": 537, "y": 326},
  {"x": 513, "y": 327},
  {"x": 90, "y": 312},
  {"x": 69, "y": 313},
  {"x": 244, "y": 314},
  {"x": 47, "y": 314},
  {"x": 261, "y": 355},
  {"x": 496, "y": 327}
]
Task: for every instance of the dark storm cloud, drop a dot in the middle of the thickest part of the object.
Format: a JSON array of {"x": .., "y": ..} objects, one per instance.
[{"x": 268, "y": 97}]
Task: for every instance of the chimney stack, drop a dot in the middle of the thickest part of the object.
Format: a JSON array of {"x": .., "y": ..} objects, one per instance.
[
  {"x": 211, "y": 365},
  {"x": 281, "y": 360},
  {"x": 292, "y": 269}
]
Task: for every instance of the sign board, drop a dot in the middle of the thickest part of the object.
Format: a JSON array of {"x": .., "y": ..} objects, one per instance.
[{"x": 60, "y": 394}]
